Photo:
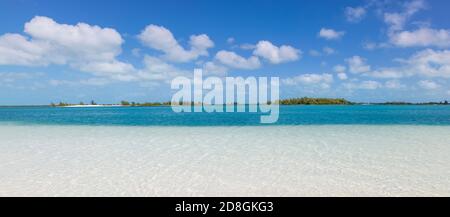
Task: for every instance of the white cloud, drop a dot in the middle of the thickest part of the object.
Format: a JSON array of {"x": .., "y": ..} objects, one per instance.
[
  {"x": 428, "y": 85},
  {"x": 157, "y": 69},
  {"x": 355, "y": 14},
  {"x": 247, "y": 46},
  {"x": 370, "y": 45},
  {"x": 81, "y": 46},
  {"x": 394, "y": 84},
  {"x": 414, "y": 6},
  {"x": 274, "y": 54},
  {"x": 357, "y": 65},
  {"x": 16, "y": 49},
  {"x": 421, "y": 37},
  {"x": 396, "y": 21},
  {"x": 342, "y": 76},
  {"x": 315, "y": 53},
  {"x": 325, "y": 51},
  {"x": 388, "y": 73},
  {"x": 339, "y": 68},
  {"x": 328, "y": 50},
  {"x": 233, "y": 60},
  {"x": 115, "y": 69},
  {"x": 424, "y": 37},
  {"x": 55, "y": 82},
  {"x": 160, "y": 38},
  {"x": 136, "y": 52},
  {"x": 214, "y": 68},
  {"x": 230, "y": 40},
  {"x": 81, "y": 41},
  {"x": 370, "y": 85},
  {"x": 430, "y": 63},
  {"x": 425, "y": 63},
  {"x": 323, "y": 80},
  {"x": 95, "y": 81},
  {"x": 330, "y": 34}
]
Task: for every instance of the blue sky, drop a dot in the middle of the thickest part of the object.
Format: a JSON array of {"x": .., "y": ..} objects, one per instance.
[{"x": 74, "y": 51}]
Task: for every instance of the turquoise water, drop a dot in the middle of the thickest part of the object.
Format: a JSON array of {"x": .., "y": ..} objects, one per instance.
[
  {"x": 310, "y": 151},
  {"x": 289, "y": 115}
]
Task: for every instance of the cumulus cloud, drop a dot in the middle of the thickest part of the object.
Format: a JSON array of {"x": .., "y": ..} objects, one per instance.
[
  {"x": 424, "y": 37},
  {"x": 339, "y": 68},
  {"x": 274, "y": 54},
  {"x": 325, "y": 51},
  {"x": 136, "y": 52},
  {"x": 355, "y": 14},
  {"x": 394, "y": 84},
  {"x": 81, "y": 46},
  {"x": 342, "y": 76},
  {"x": 421, "y": 37},
  {"x": 247, "y": 46},
  {"x": 397, "y": 20},
  {"x": 160, "y": 38},
  {"x": 328, "y": 50},
  {"x": 315, "y": 53},
  {"x": 159, "y": 70},
  {"x": 430, "y": 63},
  {"x": 357, "y": 64},
  {"x": 114, "y": 69},
  {"x": 16, "y": 49},
  {"x": 214, "y": 68},
  {"x": 95, "y": 81},
  {"x": 389, "y": 73},
  {"x": 323, "y": 80},
  {"x": 425, "y": 63},
  {"x": 330, "y": 34},
  {"x": 428, "y": 85},
  {"x": 373, "y": 45},
  {"x": 369, "y": 85},
  {"x": 233, "y": 60}
]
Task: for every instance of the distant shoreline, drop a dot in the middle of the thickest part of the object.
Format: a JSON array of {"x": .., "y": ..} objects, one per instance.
[
  {"x": 106, "y": 106},
  {"x": 285, "y": 102}
]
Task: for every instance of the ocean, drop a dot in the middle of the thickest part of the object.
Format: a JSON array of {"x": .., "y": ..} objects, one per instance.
[
  {"x": 289, "y": 115},
  {"x": 151, "y": 151}
]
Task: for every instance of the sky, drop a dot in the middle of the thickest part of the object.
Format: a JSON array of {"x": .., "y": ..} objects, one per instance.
[{"x": 111, "y": 50}]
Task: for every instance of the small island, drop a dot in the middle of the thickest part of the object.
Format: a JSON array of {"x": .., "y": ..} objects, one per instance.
[
  {"x": 289, "y": 101},
  {"x": 315, "y": 101}
]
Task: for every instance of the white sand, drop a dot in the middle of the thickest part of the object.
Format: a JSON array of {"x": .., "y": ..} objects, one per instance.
[{"x": 225, "y": 161}]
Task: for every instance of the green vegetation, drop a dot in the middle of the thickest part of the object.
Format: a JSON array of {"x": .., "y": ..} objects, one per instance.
[
  {"x": 408, "y": 103},
  {"x": 145, "y": 104},
  {"x": 61, "y": 104},
  {"x": 124, "y": 103},
  {"x": 314, "y": 101},
  {"x": 291, "y": 101}
]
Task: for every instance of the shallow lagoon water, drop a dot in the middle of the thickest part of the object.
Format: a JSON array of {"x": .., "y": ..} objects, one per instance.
[
  {"x": 73, "y": 159},
  {"x": 289, "y": 115}
]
